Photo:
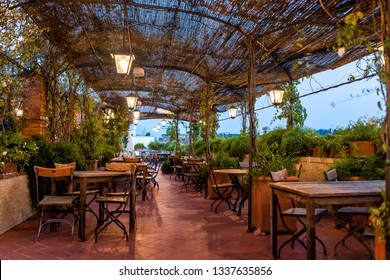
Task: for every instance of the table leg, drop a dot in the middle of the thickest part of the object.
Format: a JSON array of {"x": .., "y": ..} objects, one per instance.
[
  {"x": 132, "y": 214},
  {"x": 310, "y": 225},
  {"x": 83, "y": 198},
  {"x": 274, "y": 226},
  {"x": 144, "y": 183}
]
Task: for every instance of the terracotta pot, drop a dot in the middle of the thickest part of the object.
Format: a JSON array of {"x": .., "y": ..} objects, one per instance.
[
  {"x": 92, "y": 164},
  {"x": 380, "y": 248},
  {"x": 361, "y": 148}
]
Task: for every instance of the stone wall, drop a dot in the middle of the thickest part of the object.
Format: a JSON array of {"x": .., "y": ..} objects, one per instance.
[
  {"x": 15, "y": 202},
  {"x": 313, "y": 168}
]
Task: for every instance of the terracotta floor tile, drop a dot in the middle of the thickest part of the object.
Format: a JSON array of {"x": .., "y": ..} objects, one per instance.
[{"x": 173, "y": 225}]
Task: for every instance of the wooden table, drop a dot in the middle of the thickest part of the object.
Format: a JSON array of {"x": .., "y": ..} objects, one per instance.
[
  {"x": 100, "y": 176},
  {"x": 314, "y": 194},
  {"x": 242, "y": 194}
]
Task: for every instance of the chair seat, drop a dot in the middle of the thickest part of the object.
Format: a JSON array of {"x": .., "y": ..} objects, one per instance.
[
  {"x": 222, "y": 185},
  {"x": 111, "y": 199},
  {"x": 56, "y": 200},
  {"x": 354, "y": 210},
  {"x": 301, "y": 212}
]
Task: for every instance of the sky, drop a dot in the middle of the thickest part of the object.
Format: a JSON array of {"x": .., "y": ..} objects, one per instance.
[{"x": 330, "y": 109}]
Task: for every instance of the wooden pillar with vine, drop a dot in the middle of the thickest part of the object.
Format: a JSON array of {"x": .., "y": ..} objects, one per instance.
[
  {"x": 385, "y": 14},
  {"x": 178, "y": 146},
  {"x": 252, "y": 124},
  {"x": 205, "y": 111}
]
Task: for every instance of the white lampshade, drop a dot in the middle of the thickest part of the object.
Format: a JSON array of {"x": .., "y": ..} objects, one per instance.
[
  {"x": 19, "y": 112},
  {"x": 158, "y": 127},
  {"x": 135, "y": 121},
  {"x": 276, "y": 95},
  {"x": 123, "y": 61},
  {"x": 136, "y": 114},
  {"x": 131, "y": 102},
  {"x": 138, "y": 72},
  {"x": 163, "y": 122},
  {"x": 232, "y": 112}
]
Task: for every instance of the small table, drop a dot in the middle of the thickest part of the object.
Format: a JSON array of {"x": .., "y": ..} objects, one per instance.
[
  {"x": 100, "y": 176},
  {"x": 242, "y": 194},
  {"x": 314, "y": 194}
]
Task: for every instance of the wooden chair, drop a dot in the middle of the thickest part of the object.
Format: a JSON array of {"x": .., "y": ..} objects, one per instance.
[
  {"x": 298, "y": 212},
  {"x": 223, "y": 190},
  {"x": 47, "y": 181},
  {"x": 353, "y": 218},
  {"x": 114, "y": 204},
  {"x": 92, "y": 190}
]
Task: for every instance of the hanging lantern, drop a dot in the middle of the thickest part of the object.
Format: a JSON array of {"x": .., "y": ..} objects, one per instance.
[
  {"x": 276, "y": 95},
  {"x": 131, "y": 101},
  {"x": 136, "y": 114},
  {"x": 135, "y": 121},
  {"x": 232, "y": 112},
  {"x": 163, "y": 122},
  {"x": 123, "y": 61}
]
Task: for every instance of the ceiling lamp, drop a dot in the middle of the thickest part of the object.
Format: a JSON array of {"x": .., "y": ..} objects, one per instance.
[
  {"x": 138, "y": 72},
  {"x": 232, "y": 112},
  {"x": 163, "y": 122},
  {"x": 124, "y": 58},
  {"x": 123, "y": 61},
  {"x": 131, "y": 102},
  {"x": 135, "y": 121},
  {"x": 136, "y": 114},
  {"x": 158, "y": 127},
  {"x": 276, "y": 95}
]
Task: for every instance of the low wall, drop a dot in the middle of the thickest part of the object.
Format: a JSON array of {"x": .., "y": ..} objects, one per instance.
[
  {"x": 15, "y": 202},
  {"x": 313, "y": 168}
]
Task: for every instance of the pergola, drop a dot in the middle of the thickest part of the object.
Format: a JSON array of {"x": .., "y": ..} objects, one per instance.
[
  {"x": 232, "y": 50},
  {"x": 187, "y": 47}
]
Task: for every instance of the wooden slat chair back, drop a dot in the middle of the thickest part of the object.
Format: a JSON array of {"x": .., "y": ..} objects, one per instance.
[
  {"x": 52, "y": 200},
  {"x": 92, "y": 190},
  {"x": 132, "y": 159},
  {"x": 114, "y": 204}
]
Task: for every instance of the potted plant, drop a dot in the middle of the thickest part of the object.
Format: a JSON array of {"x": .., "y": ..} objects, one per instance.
[
  {"x": 15, "y": 152},
  {"x": 362, "y": 136},
  {"x": 380, "y": 219}
]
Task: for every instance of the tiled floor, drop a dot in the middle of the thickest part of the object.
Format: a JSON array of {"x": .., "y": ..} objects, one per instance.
[{"x": 173, "y": 225}]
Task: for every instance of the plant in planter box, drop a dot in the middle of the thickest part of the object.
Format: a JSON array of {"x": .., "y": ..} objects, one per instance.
[
  {"x": 271, "y": 158},
  {"x": 380, "y": 218},
  {"x": 368, "y": 168},
  {"x": 14, "y": 148}
]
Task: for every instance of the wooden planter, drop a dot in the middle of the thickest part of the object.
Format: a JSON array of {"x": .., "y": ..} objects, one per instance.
[
  {"x": 361, "y": 148},
  {"x": 380, "y": 248},
  {"x": 261, "y": 206}
]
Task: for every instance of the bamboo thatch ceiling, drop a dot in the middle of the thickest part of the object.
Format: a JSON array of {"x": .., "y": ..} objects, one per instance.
[{"x": 187, "y": 45}]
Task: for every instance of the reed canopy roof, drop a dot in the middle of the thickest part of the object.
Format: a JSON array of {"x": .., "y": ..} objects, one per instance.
[{"x": 187, "y": 47}]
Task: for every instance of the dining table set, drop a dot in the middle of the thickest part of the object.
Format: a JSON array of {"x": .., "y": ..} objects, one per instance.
[{"x": 108, "y": 177}]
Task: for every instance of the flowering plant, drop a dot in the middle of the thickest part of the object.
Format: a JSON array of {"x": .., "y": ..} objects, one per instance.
[
  {"x": 380, "y": 217},
  {"x": 13, "y": 148}
]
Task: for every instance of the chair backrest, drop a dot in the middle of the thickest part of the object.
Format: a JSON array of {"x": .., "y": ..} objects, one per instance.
[
  {"x": 298, "y": 169},
  {"x": 280, "y": 175},
  {"x": 65, "y": 173},
  {"x": 63, "y": 165},
  {"x": 331, "y": 175},
  {"x": 132, "y": 160}
]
